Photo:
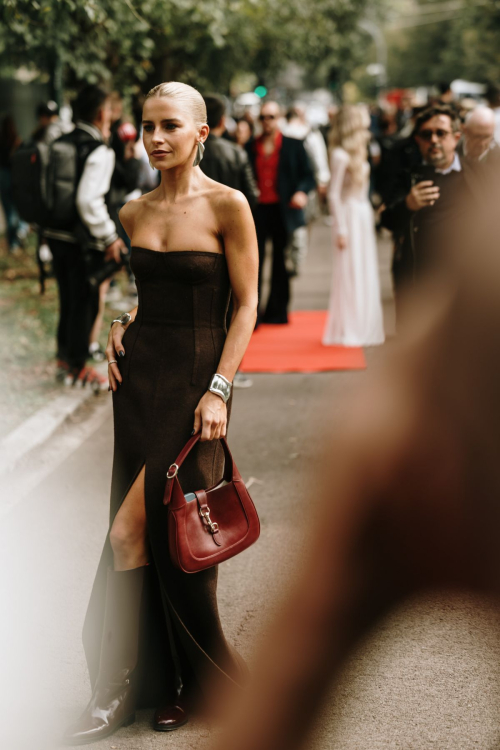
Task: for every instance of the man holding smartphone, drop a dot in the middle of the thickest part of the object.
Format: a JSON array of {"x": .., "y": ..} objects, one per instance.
[{"x": 435, "y": 202}]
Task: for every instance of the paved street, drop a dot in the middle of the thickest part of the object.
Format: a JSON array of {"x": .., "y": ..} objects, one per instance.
[{"x": 427, "y": 679}]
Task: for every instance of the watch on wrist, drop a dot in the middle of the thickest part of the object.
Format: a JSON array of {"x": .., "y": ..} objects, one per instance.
[
  {"x": 220, "y": 386},
  {"x": 123, "y": 319}
]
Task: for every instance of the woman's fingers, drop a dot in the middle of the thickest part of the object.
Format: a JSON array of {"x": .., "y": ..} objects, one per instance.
[
  {"x": 114, "y": 369},
  {"x": 210, "y": 417},
  {"x": 115, "y": 340},
  {"x": 197, "y": 422},
  {"x": 114, "y": 376},
  {"x": 114, "y": 351},
  {"x": 117, "y": 343},
  {"x": 206, "y": 430}
]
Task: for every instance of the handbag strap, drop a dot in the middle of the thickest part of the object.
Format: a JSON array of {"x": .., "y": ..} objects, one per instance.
[{"x": 230, "y": 471}]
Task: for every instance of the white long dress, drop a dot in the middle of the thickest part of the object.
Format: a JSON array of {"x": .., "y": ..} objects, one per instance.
[{"x": 355, "y": 311}]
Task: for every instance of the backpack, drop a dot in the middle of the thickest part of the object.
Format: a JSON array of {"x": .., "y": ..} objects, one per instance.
[
  {"x": 29, "y": 166},
  {"x": 45, "y": 180}
]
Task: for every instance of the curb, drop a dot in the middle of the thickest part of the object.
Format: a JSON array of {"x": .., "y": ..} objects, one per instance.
[{"x": 38, "y": 428}]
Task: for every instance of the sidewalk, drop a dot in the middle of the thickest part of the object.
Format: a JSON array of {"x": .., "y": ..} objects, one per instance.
[{"x": 28, "y": 323}]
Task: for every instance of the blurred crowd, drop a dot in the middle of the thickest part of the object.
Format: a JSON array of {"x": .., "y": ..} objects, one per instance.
[{"x": 418, "y": 169}]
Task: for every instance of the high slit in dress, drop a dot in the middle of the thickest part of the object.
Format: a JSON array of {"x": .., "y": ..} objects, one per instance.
[{"x": 172, "y": 349}]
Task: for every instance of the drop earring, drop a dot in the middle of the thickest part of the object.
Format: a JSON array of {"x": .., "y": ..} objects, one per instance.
[{"x": 199, "y": 154}]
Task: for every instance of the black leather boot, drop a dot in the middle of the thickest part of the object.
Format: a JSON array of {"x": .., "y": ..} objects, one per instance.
[
  {"x": 174, "y": 713},
  {"x": 113, "y": 700}
]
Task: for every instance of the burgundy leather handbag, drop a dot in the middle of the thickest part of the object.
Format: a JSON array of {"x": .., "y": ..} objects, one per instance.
[{"x": 221, "y": 522}]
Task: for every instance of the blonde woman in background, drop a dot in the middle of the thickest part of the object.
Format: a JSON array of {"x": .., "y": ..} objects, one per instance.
[{"x": 355, "y": 310}]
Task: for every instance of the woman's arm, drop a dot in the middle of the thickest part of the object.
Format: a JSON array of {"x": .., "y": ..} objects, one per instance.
[
  {"x": 114, "y": 347},
  {"x": 339, "y": 161},
  {"x": 242, "y": 256},
  {"x": 237, "y": 229}
]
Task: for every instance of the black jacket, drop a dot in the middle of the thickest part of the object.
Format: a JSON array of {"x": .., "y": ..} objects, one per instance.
[
  {"x": 294, "y": 173},
  {"x": 487, "y": 169},
  {"x": 405, "y": 224},
  {"x": 403, "y": 156},
  {"x": 228, "y": 164}
]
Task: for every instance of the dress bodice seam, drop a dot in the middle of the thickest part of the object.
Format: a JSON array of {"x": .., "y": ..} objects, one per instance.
[{"x": 177, "y": 252}]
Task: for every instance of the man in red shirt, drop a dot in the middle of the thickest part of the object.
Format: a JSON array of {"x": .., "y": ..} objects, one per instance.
[{"x": 284, "y": 177}]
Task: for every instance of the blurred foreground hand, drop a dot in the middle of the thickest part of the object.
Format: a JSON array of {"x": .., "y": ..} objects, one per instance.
[{"x": 409, "y": 502}]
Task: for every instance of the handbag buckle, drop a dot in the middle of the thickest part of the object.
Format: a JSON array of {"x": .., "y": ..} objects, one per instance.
[
  {"x": 205, "y": 515},
  {"x": 175, "y": 469}
]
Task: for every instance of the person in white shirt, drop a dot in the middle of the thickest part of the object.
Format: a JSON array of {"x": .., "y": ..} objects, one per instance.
[
  {"x": 92, "y": 240},
  {"x": 297, "y": 126}
]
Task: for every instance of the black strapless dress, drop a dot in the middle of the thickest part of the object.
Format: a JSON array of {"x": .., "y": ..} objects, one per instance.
[{"x": 171, "y": 351}]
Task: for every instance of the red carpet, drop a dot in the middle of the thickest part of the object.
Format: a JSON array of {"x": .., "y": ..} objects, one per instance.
[{"x": 297, "y": 347}]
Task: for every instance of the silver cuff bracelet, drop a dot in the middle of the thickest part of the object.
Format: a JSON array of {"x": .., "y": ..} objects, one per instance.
[{"x": 221, "y": 386}]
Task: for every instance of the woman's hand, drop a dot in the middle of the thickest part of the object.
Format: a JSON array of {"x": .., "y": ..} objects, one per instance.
[
  {"x": 341, "y": 241},
  {"x": 211, "y": 417},
  {"x": 114, "y": 349}
]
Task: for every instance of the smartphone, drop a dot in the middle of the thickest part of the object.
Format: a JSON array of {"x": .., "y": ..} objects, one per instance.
[
  {"x": 423, "y": 173},
  {"x": 191, "y": 496}
]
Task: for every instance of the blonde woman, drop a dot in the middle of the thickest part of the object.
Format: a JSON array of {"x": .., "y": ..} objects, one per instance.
[
  {"x": 355, "y": 310},
  {"x": 152, "y": 634}
]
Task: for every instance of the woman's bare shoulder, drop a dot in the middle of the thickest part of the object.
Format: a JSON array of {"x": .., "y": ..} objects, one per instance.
[
  {"x": 131, "y": 207},
  {"x": 227, "y": 200},
  {"x": 131, "y": 210}
]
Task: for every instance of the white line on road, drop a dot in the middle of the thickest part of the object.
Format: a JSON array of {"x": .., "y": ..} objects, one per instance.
[
  {"x": 35, "y": 430},
  {"x": 38, "y": 428},
  {"x": 16, "y": 485}
]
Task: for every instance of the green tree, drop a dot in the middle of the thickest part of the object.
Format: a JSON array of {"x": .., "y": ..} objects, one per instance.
[
  {"x": 465, "y": 44},
  {"x": 203, "y": 42}
]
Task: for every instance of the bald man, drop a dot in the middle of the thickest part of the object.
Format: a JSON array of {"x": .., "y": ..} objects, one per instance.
[{"x": 478, "y": 136}]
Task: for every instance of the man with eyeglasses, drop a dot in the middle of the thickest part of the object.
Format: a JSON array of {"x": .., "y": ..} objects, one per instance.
[
  {"x": 435, "y": 202},
  {"x": 284, "y": 177}
]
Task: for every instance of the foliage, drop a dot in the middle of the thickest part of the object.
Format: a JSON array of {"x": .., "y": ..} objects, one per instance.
[
  {"x": 465, "y": 46},
  {"x": 204, "y": 42}
]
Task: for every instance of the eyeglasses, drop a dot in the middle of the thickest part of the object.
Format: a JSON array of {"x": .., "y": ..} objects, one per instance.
[
  {"x": 426, "y": 135},
  {"x": 267, "y": 117}
]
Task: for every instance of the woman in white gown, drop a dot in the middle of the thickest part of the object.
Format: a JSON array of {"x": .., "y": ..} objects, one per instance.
[{"x": 355, "y": 312}]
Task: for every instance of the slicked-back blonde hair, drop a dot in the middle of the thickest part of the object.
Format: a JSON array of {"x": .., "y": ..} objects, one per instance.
[
  {"x": 350, "y": 132},
  {"x": 184, "y": 94}
]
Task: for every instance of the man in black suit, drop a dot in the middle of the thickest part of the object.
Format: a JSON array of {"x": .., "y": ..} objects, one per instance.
[
  {"x": 284, "y": 177},
  {"x": 224, "y": 161},
  {"x": 435, "y": 204}
]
